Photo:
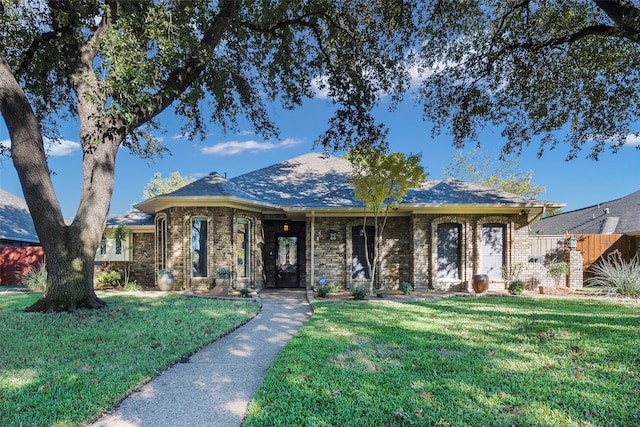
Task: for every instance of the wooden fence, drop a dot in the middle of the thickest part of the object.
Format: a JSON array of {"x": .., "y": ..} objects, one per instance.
[
  {"x": 18, "y": 261},
  {"x": 548, "y": 249},
  {"x": 594, "y": 246}
]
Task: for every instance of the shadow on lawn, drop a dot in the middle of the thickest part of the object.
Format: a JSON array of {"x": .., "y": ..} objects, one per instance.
[{"x": 489, "y": 361}]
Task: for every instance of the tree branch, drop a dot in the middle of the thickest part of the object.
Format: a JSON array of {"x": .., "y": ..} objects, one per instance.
[{"x": 181, "y": 78}]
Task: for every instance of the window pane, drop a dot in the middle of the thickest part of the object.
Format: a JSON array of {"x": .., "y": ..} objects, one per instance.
[
  {"x": 199, "y": 247},
  {"x": 493, "y": 250},
  {"x": 243, "y": 246},
  {"x": 448, "y": 251},
  {"x": 359, "y": 266}
]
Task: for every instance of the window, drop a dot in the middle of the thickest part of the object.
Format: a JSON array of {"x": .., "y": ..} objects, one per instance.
[
  {"x": 492, "y": 257},
  {"x": 113, "y": 249},
  {"x": 103, "y": 244},
  {"x": 448, "y": 263},
  {"x": 359, "y": 267},
  {"x": 199, "y": 247},
  {"x": 161, "y": 230},
  {"x": 243, "y": 247}
]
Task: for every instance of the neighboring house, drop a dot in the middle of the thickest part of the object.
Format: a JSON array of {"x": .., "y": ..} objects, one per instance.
[
  {"x": 16, "y": 225},
  {"x": 601, "y": 228},
  {"x": 19, "y": 244},
  {"x": 619, "y": 216},
  {"x": 292, "y": 223}
]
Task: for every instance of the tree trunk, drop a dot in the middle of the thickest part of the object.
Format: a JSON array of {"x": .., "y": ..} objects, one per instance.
[
  {"x": 69, "y": 249},
  {"x": 69, "y": 277}
]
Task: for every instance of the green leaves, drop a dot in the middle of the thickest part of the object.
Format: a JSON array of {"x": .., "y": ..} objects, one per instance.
[{"x": 543, "y": 72}]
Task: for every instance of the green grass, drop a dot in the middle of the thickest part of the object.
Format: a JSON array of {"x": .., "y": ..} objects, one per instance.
[
  {"x": 65, "y": 369},
  {"x": 458, "y": 362}
]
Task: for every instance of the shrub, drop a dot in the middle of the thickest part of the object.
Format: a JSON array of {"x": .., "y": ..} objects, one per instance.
[
  {"x": 558, "y": 270},
  {"x": 617, "y": 276},
  {"x": 35, "y": 279},
  {"x": 359, "y": 293},
  {"x": 516, "y": 287},
  {"x": 322, "y": 291},
  {"x": 132, "y": 286},
  {"x": 109, "y": 279},
  {"x": 244, "y": 293},
  {"x": 406, "y": 288}
]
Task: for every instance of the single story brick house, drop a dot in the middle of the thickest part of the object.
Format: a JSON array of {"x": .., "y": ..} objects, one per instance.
[{"x": 289, "y": 224}]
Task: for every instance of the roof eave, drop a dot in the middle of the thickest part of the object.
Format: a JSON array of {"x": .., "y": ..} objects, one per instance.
[{"x": 159, "y": 203}]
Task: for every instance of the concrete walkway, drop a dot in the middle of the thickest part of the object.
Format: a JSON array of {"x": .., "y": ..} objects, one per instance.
[{"x": 214, "y": 387}]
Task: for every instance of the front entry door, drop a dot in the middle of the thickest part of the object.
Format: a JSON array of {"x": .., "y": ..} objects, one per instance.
[{"x": 287, "y": 262}]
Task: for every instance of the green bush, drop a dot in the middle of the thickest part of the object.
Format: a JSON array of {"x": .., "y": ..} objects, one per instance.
[
  {"x": 406, "y": 288},
  {"x": 132, "y": 286},
  {"x": 110, "y": 279},
  {"x": 322, "y": 291},
  {"x": 616, "y": 276},
  {"x": 558, "y": 270},
  {"x": 35, "y": 279},
  {"x": 359, "y": 293},
  {"x": 516, "y": 287},
  {"x": 244, "y": 293}
]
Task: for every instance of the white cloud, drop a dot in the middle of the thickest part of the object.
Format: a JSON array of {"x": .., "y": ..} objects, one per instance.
[
  {"x": 231, "y": 148},
  {"x": 320, "y": 87},
  {"x": 633, "y": 140},
  {"x": 59, "y": 148}
]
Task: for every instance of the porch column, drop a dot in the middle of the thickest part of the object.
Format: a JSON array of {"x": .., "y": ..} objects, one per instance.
[{"x": 575, "y": 276}]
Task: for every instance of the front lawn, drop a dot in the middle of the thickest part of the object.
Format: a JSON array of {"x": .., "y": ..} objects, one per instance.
[
  {"x": 65, "y": 369},
  {"x": 461, "y": 361}
]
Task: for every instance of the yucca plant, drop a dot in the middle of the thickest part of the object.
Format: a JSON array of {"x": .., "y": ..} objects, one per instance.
[
  {"x": 615, "y": 276},
  {"x": 35, "y": 279}
]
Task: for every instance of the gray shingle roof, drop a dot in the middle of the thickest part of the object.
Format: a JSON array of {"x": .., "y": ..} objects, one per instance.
[
  {"x": 319, "y": 181},
  {"x": 310, "y": 180},
  {"x": 617, "y": 216},
  {"x": 15, "y": 220},
  {"x": 131, "y": 218}
]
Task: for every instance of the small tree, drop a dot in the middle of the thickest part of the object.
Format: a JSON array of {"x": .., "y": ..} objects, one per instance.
[
  {"x": 381, "y": 181},
  {"x": 480, "y": 167},
  {"x": 159, "y": 185}
]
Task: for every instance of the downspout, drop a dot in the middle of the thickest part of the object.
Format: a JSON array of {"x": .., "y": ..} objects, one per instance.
[
  {"x": 544, "y": 209},
  {"x": 313, "y": 249}
]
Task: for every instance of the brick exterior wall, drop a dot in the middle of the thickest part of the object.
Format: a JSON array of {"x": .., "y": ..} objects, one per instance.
[
  {"x": 333, "y": 257},
  {"x": 408, "y": 253}
]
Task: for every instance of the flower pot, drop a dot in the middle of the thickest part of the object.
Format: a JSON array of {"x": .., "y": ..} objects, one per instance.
[
  {"x": 165, "y": 281},
  {"x": 480, "y": 283},
  {"x": 223, "y": 279}
]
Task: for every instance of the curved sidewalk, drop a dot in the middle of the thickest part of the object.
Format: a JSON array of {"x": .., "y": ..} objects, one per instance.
[{"x": 214, "y": 387}]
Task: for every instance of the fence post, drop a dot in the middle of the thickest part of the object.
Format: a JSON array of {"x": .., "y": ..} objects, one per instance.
[{"x": 575, "y": 275}]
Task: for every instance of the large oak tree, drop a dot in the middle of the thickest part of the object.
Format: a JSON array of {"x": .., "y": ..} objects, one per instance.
[
  {"x": 115, "y": 65},
  {"x": 543, "y": 72}
]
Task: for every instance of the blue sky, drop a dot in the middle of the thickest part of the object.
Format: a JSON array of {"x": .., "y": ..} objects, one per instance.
[{"x": 578, "y": 183}]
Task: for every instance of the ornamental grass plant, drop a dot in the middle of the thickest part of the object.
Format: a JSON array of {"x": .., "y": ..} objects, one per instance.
[{"x": 616, "y": 276}]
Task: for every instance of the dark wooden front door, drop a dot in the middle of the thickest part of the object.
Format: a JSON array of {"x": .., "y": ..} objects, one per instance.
[{"x": 287, "y": 274}]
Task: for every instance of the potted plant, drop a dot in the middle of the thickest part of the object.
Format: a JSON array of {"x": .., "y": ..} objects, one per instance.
[
  {"x": 165, "y": 279},
  {"x": 223, "y": 276}
]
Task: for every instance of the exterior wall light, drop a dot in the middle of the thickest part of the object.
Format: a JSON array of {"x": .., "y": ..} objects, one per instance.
[{"x": 572, "y": 243}]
